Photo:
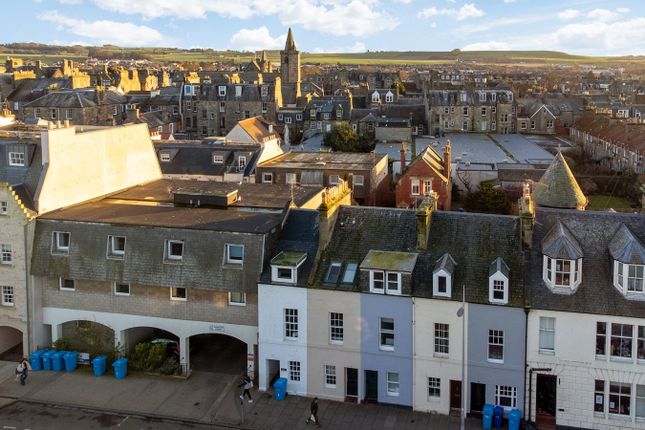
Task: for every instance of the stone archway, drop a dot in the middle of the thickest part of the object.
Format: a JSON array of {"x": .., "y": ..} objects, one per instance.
[{"x": 11, "y": 346}]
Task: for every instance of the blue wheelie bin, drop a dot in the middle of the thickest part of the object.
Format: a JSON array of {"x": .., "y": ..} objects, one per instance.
[
  {"x": 120, "y": 368},
  {"x": 487, "y": 418},
  {"x": 498, "y": 416},
  {"x": 70, "y": 361},
  {"x": 35, "y": 359},
  {"x": 514, "y": 417},
  {"x": 280, "y": 388},
  {"x": 47, "y": 359},
  {"x": 99, "y": 365},
  {"x": 57, "y": 361}
]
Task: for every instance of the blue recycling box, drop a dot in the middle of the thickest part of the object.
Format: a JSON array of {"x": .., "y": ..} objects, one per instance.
[
  {"x": 70, "y": 361},
  {"x": 120, "y": 368},
  {"x": 280, "y": 388},
  {"x": 514, "y": 418},
  {"x": 35, "y": 359},
  {"x": 57, "y": 361},
  {"x": 487, "y": 419},
  {"x": 47, "y": 359},
  {"x": 99, "y": 365},
  {"x": 498, "y": 416}
]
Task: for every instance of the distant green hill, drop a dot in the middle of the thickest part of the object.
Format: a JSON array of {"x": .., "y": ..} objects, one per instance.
[{"x": 52, "y": 53}]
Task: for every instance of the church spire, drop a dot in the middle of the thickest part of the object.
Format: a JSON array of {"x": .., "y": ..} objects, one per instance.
[{"x": 290, "y": 45}]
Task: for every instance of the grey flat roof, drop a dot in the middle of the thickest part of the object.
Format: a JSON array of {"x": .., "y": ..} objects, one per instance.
[{"x": 522, "y": 149}]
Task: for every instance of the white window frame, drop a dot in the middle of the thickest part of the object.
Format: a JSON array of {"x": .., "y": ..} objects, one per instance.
[
  {"x": 393, "y": 384},
  {"x": 435, "y": 284},
  {"x": 69, "y": 113},
  {"x": 115, "y": 289},
  {"x": 4, "y": 208},
  {"x": 620, "y": 395},
  {"x": 393, "y": 279},
  {"x": 291, "y": 323},
  {"x": 625, "y": 281},
  {"x": 427, "y": 187},
  {"x": 334, "y": 179},
  {"x": 495, "y": 281},
  {"x": 175, "y": 297},
  {"x": 164, "y": 156},
  {"x": 330, "y": 376},
  {"x": 495, "y": 339},
  {"x": 621, "y": 337},
  {"x": 546, "y": 330},
  {"x": 415, "y": 187},
  {"x": 550, "y": 274},
  {"x": 377, "y": 276},
  {"x": 291, "y": 178},
  {"x": 294, "y": 371},
  {"x": 241, "y": 162},
  {"x": 288, "y": 120},
  {"x": 16, "y": 159},
  {"x": 267, "y": 178},
  {"x": 358, "y": 180},
  {"x": 230, "y": 260},
  {"x": 57, "y": 248},
  {"x": 62, "y": 287},
  {"x": 506, "y": 391},
  {"x": 233, "y": 302},
  {"x": 604, "y": 337},
  {"x": 382, "y": 331},
  {"x": 434, "y": 388},
  {"x": 218, "y": 159},
  {"x": 173, "y": 257},
  {"x": 298, "y": 117},
  {"x": 112, "y": 251},
  {"x": 221, "y": 90},
  {"x": 6, "y": 253},
  {"x": 640, "y": 398},
  {"x": 8, "y": 295},
  {"x": 336, "y": 328},
  {"x": 441, "y": 342}
]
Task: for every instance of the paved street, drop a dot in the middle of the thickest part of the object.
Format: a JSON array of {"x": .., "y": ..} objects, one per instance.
[
  {"x": 205, "y": 398},
  {"x": 25, "y": 416}
]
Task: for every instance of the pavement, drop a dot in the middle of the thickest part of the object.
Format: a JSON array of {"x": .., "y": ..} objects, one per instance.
[{"x": 206, "y": 398}]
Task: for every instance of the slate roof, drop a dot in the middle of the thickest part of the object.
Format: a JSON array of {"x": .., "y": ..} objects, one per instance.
[
  {"x": 560, "y": 243},
  {"x": 558, "y": 187},
  {"x": 473, "y": 241},
  {"x": 197, "y": 159},
  {"x": 594, "y": 231},
  {"x": 290, "y": 44},
  {"x": 77, "y": 99},
  {"x": 323, "y": 161},
  {"x": 626, "y": 247},
  {"x": 299, "y": 234},
  {"x": 499, "y": 265}
]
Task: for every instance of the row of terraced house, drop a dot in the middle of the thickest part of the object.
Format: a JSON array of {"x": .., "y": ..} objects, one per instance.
[{"x": 347, "y": 302}]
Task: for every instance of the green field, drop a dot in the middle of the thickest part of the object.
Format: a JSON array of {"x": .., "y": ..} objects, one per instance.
[
  {"x": 599, "y": 202},
  {"x": 50, "y": 54}
]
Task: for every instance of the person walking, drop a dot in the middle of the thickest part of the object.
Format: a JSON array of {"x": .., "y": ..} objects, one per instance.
[
  {"x": 22, "y": 370},
  {"x": 247, "y": 384},
  {"x": 314, "y": 412}
]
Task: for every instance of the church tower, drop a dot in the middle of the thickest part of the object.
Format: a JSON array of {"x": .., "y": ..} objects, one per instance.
[{"x": 290, "y": 71}]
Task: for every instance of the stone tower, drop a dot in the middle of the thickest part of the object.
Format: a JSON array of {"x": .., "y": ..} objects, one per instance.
[{"x": 290, "y": 71}]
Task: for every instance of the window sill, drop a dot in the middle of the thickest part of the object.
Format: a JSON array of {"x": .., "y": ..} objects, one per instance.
[
  {"x": 393, "y": 394},
  {"x": 335, "y": 342},
  {"x": 601, "y": 357},
  {"x": 386, "y": 348},
  {"x": 233, "y": 266},
  {"x": 440, "y": 355},
  {"x": 122, "y": 294},
  {"x": 290, "y": 339},
  {"x": 178, "y": 300},
  {"x": 492, "y": 360},
  {"x": 176, "y": 262},
  {"x": 236, "y": 304},
  {"x": 434, "y": 399},
  {"x": 546, "y": 352},
  {"x": 330, "y": 386},
  {"x": 8, "y": 305},
  {"x": 621, "y": 359},
  {"x": 115, "y": 257},
  {"x": 60, "y": 253},
  {"x": 68, "y": 290},
  {"x": 620, "y": 417}
]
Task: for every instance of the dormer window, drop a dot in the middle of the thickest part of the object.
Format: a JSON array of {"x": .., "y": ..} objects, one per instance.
[
  {"x": 60, "y": 242},
  {"x": 350, "y": 273},
  {"x": 628, "y": 253},
  {"x": 375, "y": 97},
  {"x": 629, "y": 278},
  {"x": 116, "y": 246},
  {"x": 442, "y": 276},
  {"x": 389, "y": 97},
  {"x": 387, "y": 269},
  {"x": 284, "y": 266},
  {"x": 174, "y": 250},
  {"x": 498, "y": 275},
  {"x": 562, "y": 261},
  {"x": 333, "y": 273}
]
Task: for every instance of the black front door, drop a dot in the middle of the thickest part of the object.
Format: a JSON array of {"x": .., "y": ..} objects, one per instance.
[
  {"x": 371, "y": 386},
  {"x": 545, "y": 401},
  {"x": 455, "y": 396},
  {"x": 351, "y": 386},
  {"x": 477, "y": 398}
]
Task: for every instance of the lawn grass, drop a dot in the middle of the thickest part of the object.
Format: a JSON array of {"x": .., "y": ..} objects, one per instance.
[{"x": 600, "y": 201}]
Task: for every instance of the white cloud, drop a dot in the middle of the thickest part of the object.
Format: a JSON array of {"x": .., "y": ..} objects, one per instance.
[
  {"x": 619, "y": 37},
  {"x": 356, "y": 47},
  {"x": 105, "y": 32},
  {"x": 403, "y": 1},
  {"x": 469, "y": 10},
  {"x": 623, "y": 10},
  {"x": 487, "y": 46},
  {"x": 509, "y": 1},
  {"x": 337, "y": 17},
  {"x": 70, "y": 1},
  {"x": 481, "y": 27},
  {"x": 568, "y": 14},
  {"x": 256, "y": 40},
  {"x": 602, "y": 15}
]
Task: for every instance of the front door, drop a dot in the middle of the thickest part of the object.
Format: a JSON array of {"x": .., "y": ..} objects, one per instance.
[
  {"x": 455, "y": 397},
  {"x": 351, "y": 384},
  {"x": 545, "y": 401},
  {"x": 273, "y": 371},
  {"x": 477, "y": 398},
  {"x": 371, "y": 386}
]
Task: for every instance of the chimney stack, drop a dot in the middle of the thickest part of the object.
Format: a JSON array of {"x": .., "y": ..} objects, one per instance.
[
  {"x": 424, "y": 216},
  {"x": 527, "y": 216},
  {"x": 270, "y": 128},
  {"x": 403, "y": 151},
  {"x": 447, "y": 200}
]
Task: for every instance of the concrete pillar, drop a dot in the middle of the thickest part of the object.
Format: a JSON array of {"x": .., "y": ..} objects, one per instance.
[
  {"x": 119, "y": 340},
  {"x": 250, "y": 360},
  {"x": 57, "y": 332},
  {"x": 184, "y": 353}
]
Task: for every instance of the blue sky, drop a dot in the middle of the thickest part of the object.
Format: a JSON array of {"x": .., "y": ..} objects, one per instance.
[{"x": 593, "y": 27}]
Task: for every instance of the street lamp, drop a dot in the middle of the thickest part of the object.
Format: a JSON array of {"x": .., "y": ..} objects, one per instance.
[{"x": 461, "y": 313}]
